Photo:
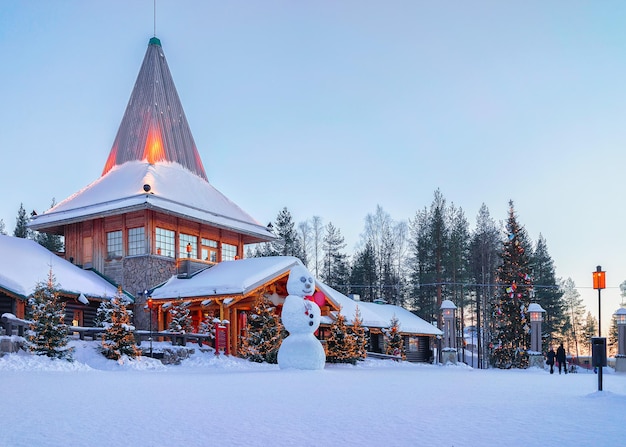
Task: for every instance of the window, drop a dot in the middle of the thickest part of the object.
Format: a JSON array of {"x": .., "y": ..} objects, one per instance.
[
  {"x": 136, "y": 241},
  {"x": 185, "y": 239},
  {"x": 229, "y": 252},
  {"x": 209, "y": 250},
  {"x": 165, "y": 242},
  {"x": 114, "y": 244}
]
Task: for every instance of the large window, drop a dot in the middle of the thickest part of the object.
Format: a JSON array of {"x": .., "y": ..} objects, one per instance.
[
  {"x": 209, "y": 250},
  {"x": 185, "y": 240},
  {"x": 136, "y": 241},
  {"x": 165, "y": 242},
  {"x": 229, "y": 252},
  {"x": 114, "y": 244}
]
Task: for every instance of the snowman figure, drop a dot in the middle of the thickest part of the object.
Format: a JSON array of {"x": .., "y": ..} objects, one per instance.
[{"x": 301, "y": 318}]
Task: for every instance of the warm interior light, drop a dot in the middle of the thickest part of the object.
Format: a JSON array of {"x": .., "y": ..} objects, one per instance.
[{"x": 154, "y": 151}]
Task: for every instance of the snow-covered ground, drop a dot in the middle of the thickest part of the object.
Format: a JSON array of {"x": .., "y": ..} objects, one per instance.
[{"x": 230, "y": 402}]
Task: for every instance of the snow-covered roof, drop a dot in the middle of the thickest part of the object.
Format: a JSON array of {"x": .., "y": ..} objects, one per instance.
[
  {"x": 24, "y": 263},
  {"x": 227, "y": 278},
  {"x": 171, "y": 188},
  {"x": 242, "y": 276},
  {"x": 447, "y": 304},
  {"x": 377, "y": 315}
]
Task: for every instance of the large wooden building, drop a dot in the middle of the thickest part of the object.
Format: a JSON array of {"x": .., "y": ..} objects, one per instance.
[{"x": 152, "y": 213}]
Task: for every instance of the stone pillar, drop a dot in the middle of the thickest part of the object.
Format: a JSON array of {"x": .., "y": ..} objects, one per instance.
[
  {"x": 620, "y": 358},
  {"x": 448, "y": 351},
  {"x": 536, "y": 317},
  {"x": 449, "y": 324}
]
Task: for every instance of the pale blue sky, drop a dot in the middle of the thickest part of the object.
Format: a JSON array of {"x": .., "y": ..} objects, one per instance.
[{"x": 332, "y": 108}]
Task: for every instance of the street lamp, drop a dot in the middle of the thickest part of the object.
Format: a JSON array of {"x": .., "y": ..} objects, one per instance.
[
  {"x": 536, "y": 317},
  {"x": 598, "y": 344}
]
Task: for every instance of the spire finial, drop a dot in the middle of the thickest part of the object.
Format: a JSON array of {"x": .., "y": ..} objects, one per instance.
[{"x": 154, "y": 18}]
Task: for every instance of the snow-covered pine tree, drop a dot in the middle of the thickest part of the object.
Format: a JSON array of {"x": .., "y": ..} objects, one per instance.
[
  {"x": 511, "y": 327},
  {"x": 52, "y": 242},
  {"x": 118, "y": 339},
  {"x": 547, "y": 291},
  {"x": 21, "y": 222},
  {"x": 47, "y": 333},
  {"x": 340, "y": 345},
  {"x": 264, "y": 333},
  {"x": 103, "y": 314},
  {"x": 3, "y": 229},
  {"x": 393, "y": 339},
  {"x": 357, "y": 332},
  {"x": 181, "y": 319},
  {"x": 207, "y": 327}
]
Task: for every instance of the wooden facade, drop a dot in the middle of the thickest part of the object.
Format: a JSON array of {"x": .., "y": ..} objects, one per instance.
[{"x": 232, "y": 308}]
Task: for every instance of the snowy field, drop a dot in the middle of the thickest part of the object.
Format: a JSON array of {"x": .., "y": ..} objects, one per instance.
[{"x": 209, "y": 401}]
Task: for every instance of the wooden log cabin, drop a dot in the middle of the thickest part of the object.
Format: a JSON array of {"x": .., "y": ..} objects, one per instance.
[
  {"x": 25, "y": 264},
  {"x": 152, "y": 213}
]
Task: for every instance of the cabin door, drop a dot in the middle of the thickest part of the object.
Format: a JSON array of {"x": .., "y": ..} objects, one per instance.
[{"x": 77, "y": 319}]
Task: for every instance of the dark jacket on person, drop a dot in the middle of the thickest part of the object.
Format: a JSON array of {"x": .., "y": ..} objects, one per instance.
[
  {"x": 560, "y": 354},
  {"x": 550, "y": 356}
]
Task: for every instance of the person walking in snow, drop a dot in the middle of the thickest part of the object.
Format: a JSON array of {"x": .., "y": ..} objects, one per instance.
[
  {"x": 560, "y": 357},
  {"x": 550, "y": 359}
]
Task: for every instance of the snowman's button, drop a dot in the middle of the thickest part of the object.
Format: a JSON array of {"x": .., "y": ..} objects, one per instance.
[{"x": 310, "y": 323}]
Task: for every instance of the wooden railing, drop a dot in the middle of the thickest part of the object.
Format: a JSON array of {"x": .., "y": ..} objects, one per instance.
[
  {"x": 378, "y": 355},
  {"x": 17, "y": 326}
]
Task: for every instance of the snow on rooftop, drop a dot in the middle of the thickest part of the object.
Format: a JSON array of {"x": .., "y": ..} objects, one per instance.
[
  {"x": 227, "y": 278},
  {"x": 241, "y": 276},
  {"x": 378, "y": 315},
  {"x": 24, "y": 263},
  {"x": 171, "y": 188}
]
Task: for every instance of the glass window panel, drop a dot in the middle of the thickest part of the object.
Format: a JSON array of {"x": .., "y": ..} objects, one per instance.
[
  {"x": 165, "y": 242},
  {"x": 184, "y": 240},
  {"x": 136, "y": 241},
  {"x": 229, "y": 252},
  {"x": 114, "y": 244}
]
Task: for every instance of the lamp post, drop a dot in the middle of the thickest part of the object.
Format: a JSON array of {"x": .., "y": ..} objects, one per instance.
[
  {"x": 150, "y": 305},
  {"x": 598, "y": 344},
  {"x": 536, "y": 317}
]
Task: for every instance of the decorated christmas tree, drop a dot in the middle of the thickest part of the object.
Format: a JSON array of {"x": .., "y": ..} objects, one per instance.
[
  {"x": 47, "y": 333},
  {"x": 180, "y": 322},
  {"x": 357, "y": 332},
  {"x": 340, "y": 345},
  {"x": 264, "y": 333},
  {"x": 118, "y": 339},
  {"x": 510, "y": 308},
  {"x": 393, "y": 339}
]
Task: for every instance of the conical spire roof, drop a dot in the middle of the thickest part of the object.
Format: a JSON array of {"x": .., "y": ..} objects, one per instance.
[{"x": 154, "y": 127}]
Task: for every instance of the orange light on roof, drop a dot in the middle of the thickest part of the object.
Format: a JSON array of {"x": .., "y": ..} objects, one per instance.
[
  {"x": 111, "y": 160},
  {"x": 154, "y": 152}
]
